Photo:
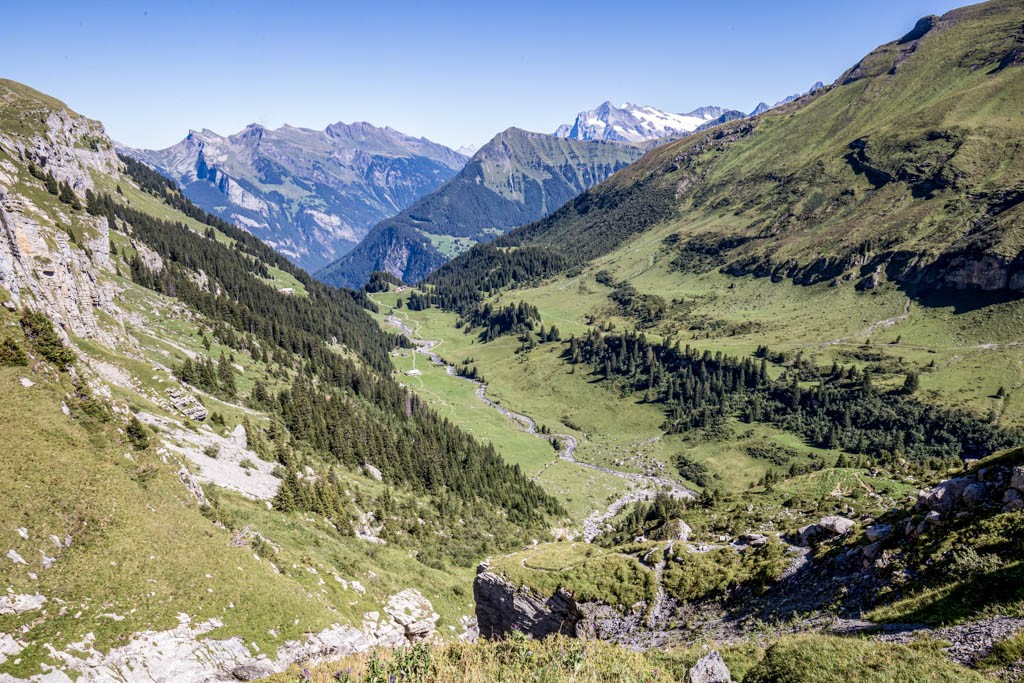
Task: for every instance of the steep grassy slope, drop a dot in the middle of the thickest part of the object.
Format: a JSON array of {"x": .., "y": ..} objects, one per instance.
[
  {"x": 515, "y": 178},
  {"x": 909, "y": 165},
  {"x": 206, "y": 432}
]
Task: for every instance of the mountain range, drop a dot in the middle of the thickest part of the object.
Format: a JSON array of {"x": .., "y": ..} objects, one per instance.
[
  {"x": 314, "y": 195},
  {"x": 310, "y": 194},
  {"x": 636, "y": 123},
  {"x": 760, "y": 386},
  {"x": 516, "y": 178}
]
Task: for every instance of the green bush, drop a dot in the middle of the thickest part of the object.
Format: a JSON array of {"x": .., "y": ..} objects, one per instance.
[
  {"x": 137, "y": 435},
  {"x": 11, "y": 354},
  {"x": 39, "y": 331}
]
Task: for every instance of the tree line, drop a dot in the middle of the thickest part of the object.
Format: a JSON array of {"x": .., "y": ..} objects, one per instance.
[{"x": 839, "y": 408}]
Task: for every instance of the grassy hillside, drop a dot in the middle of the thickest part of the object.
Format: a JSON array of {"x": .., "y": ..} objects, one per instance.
[
  {"x": 907, "y": 163},
  {"x": 125, "y": 513}
]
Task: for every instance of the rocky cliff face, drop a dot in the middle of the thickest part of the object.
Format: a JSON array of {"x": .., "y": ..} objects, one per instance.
[
  {"x": 502, "y": 607},
  {"x": 38, "y": 265}
]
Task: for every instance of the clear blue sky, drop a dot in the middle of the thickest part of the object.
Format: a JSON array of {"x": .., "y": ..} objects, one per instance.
[{"x": 456, "y": 72}]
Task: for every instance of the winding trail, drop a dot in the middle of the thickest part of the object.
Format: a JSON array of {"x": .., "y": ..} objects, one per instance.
[
  {"x": 872, "y": 328},
  {"x": 662, "y": 606},
  {"x": 591, "y": 525}
]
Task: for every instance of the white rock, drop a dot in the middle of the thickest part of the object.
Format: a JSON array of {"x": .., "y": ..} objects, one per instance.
[
  {"x": 19, "y": 604},
  {"x": 678, "y": 530},
  {"x": 710, "y": 669},
  {"x": 14, "y": 557},
  {"x": 9, "y": 647},
  {"x": 26, "y": 382}
]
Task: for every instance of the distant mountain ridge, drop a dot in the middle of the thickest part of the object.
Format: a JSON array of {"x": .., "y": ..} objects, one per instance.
[
  {"x": 644, "y": 124},
  {"x": 762, "y": 107},
  {"x": 310, "y": 194},
  {"x": 634, "y": 123},
  {"x": 516, "y": 178}
]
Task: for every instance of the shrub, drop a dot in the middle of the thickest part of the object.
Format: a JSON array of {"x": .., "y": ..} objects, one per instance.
[
  {"x": 137, "y": 435},
  {"x": 40, "y": 332},
  {"x": 11, "y": 354}
]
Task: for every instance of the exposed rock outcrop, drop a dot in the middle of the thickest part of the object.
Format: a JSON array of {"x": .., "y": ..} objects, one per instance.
[
  {"x": 710, "y": 668},
  {"x": 183, "y": 654},
  {"x": 38, "y": 265},
  {"x": 502, "y": 607},
  {"x": 220, "y": 459}
]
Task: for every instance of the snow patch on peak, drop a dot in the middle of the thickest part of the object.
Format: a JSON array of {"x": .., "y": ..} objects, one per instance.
[{"x": 634, "y": 123}]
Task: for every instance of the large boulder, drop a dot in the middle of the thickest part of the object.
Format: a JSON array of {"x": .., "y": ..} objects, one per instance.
[
  {"x": 678, "y": 530},
  {"x": 254, "y": 671},
  {"x": 413, "y": 613},
  {"x": 975, "y": 495},
  {"x": 826, "y": 527},
  {"x": 945, "y": 496},
  {"x": 836, "y": 525},
  {"x": 1013, "y": 500},
  {"x": 710, "y": 668},
  {"x": 878, "y": 532},
  {"x": 1017, "y": 478}
]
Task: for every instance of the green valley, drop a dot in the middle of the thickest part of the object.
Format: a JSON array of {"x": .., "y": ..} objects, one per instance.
[{"x": 742, "y": 405}]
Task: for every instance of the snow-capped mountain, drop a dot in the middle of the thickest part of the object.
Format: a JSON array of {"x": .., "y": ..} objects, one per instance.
[{"x": 634, "y": 123}]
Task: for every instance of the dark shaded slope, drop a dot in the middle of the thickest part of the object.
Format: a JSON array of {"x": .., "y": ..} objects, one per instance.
[{"x": 516, "y": 178}]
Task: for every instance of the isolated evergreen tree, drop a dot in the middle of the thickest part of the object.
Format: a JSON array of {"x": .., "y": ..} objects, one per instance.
[
  {"x": 226, "y": 375},
  {"x": 137, "y": 435}
]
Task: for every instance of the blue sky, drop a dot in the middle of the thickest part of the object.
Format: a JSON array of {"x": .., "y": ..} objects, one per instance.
[{"x": 456, "y": 72}]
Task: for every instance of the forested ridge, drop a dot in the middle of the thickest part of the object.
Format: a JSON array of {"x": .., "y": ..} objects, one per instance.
[
  {"x": 337, "y": 408},
  {"x": 837, "y": 407},
  {"x": 461, "y": 284}
]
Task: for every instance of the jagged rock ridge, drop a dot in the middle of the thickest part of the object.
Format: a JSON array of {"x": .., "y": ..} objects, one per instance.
[{"x": 311, "y": 194}]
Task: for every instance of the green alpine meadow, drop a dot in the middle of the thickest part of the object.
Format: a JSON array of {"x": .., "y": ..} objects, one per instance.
[{"x": 700, "y": 393}]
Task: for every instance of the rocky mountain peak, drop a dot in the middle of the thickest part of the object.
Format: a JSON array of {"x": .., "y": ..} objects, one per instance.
[
  {"x": 634, "y": 123},
  {"x": 310, "y": 194}
]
